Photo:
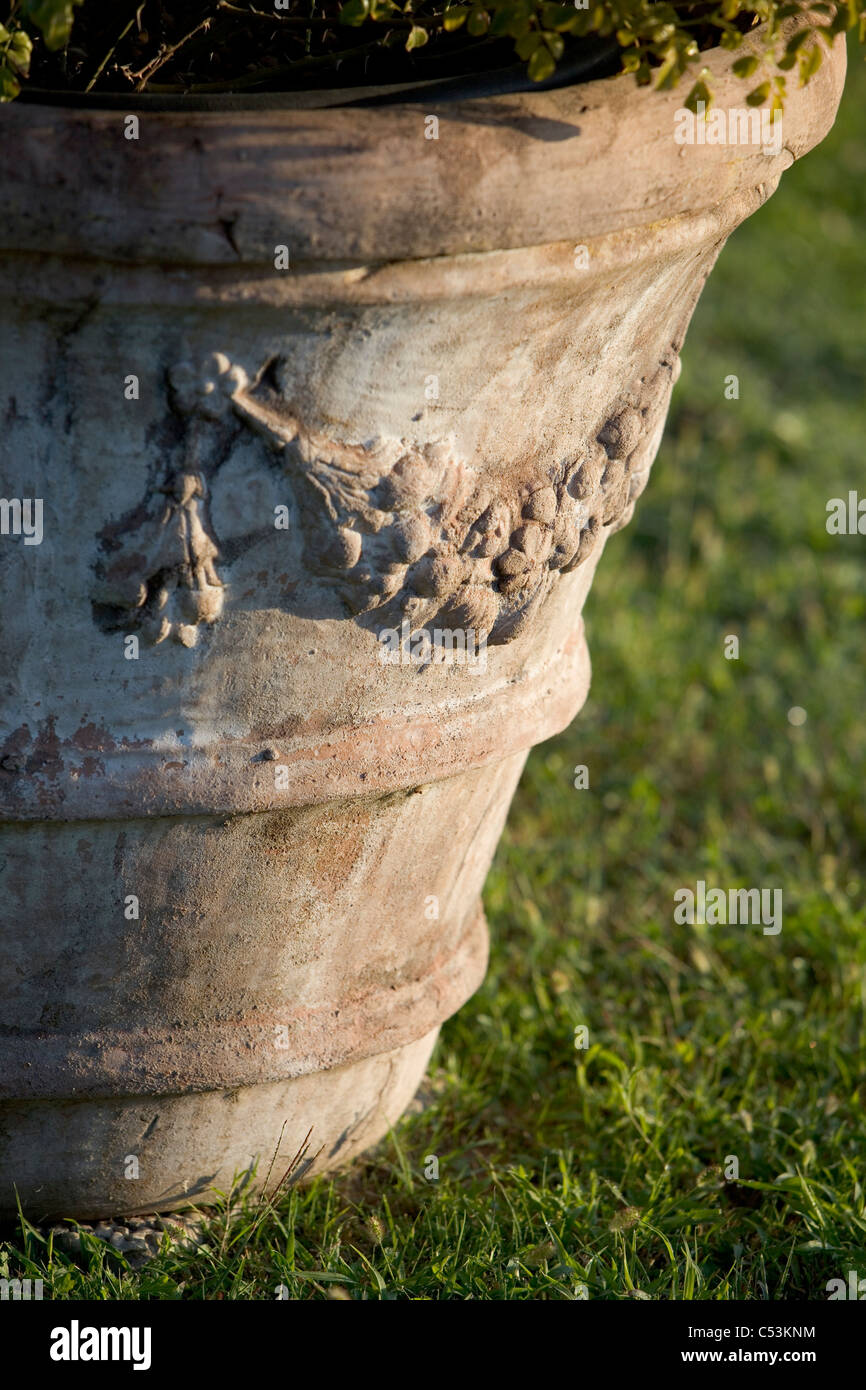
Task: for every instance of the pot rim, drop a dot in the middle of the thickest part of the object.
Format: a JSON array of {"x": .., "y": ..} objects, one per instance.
[
  {"x": 367, "y": 185},
  {"x": 590, "y": 64}
]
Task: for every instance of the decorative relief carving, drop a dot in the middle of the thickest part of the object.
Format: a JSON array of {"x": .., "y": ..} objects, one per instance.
[
  {"x": 162, "y": 573},
  {"x": 408, "y": 527}
]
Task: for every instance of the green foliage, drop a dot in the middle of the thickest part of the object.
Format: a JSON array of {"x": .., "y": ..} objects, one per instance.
[
  {"x": 15, "y": 50},
  {"x": 606, "y": 1167},
  {"x": 660, "y": 41},
  {"x": 50, "y": 20},
  {"x": 53, "y": 19}
]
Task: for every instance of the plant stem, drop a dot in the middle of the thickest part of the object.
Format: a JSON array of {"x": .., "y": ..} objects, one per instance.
[
  {"x": 267, "y": 75},
  {"x": 165, "y": 54},
  {"x": 299, "y": 22},
  {"x": 113, "y": 49}
]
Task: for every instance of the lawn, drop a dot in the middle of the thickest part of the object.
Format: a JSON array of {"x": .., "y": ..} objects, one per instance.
[{"x": 708, "y": 1141}]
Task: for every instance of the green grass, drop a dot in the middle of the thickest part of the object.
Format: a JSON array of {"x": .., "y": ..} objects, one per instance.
[{"x": 605, "y": 1167}]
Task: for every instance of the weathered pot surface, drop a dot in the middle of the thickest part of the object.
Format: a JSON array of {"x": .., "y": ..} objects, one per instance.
[{"x": 242, "y": 855}]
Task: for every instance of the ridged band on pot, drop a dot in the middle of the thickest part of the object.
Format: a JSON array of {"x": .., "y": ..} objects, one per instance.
[{"x": 294, "y": 389}]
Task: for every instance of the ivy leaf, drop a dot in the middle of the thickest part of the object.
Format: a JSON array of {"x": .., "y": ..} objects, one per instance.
[
  {"x": 700, "y": 92},
  {"x": 453, "y": 17},
  {"x": 744, "y": 67},
  {"x": 52, "y": 17},
  {"x": 669, "y": 71},
  {"x": 796, "y": 40},
  {"x": 19, "y": 52},
  {"x": 810, "y": 63},
  {"x": 9, "y": 87},
  {"x": 527, "y": 45},
  {"x": 354, "y": 12},
  {"x": 556, "y": 44},
  {"x": 509, "y": 19},
  {"x": 557, "y": 16},
  {"x": 758, "y": 95},
  {"x": 417, "y": 37},
  {"x": 541, "y": 65}
]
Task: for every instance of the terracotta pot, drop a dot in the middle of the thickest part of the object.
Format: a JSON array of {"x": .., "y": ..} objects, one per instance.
[{"x": 242, "y": 854}]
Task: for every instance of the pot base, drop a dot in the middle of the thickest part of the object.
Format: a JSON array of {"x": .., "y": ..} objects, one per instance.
[{"x": 78, "y": 1159}]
